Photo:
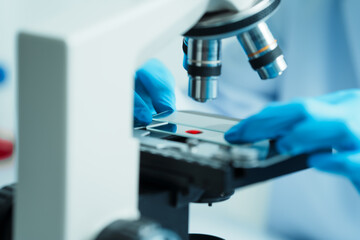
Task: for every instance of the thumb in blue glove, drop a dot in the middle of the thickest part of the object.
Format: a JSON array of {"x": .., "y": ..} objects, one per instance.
[{"x": 154, "y": 91}]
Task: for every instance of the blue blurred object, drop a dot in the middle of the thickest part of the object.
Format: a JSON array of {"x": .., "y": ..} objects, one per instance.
[
  {"x": 345, "y": 164},
  {"x": 154, "y": 91},
  {"x": 2, "y": 74},
  {"x": 307, "y": 125}
]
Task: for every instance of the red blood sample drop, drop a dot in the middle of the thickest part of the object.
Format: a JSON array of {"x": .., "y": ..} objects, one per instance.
[{"x": 194, "y": 131}]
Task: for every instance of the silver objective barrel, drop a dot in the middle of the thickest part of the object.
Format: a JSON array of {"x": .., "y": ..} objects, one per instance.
[
  {"x": 202, "y": 61},
  {"x": 263, "y": 52}
]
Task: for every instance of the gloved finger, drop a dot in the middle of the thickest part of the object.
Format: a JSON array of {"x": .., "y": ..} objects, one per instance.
[
  {"x": 142, "y": 114},
  {"x": 159, "y": 84},
  {"x": 272, "y": 122},
  {"x": 314, "y": 135},
  {"x": 6, "y": 149},
  {"x": 277, "y": 120},
  {"x": 345, "y": 164},
  {"x": 143, "y": 93}
]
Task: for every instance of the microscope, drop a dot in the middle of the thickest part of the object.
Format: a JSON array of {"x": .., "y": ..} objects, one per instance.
[{"x": 84, "y": 172}]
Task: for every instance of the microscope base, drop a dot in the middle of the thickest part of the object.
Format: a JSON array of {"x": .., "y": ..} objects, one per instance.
[{"x": 159, "y": 205}]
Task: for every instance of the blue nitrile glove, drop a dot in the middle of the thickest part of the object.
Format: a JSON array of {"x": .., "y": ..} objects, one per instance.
[
  {"x": 307, "y": 125},
  {"x": 154, "y": 91},
  {"x": 2, "y": 74}
]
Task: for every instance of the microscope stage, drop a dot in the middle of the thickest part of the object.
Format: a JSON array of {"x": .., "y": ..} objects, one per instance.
[{"x": 173, "y": 155}]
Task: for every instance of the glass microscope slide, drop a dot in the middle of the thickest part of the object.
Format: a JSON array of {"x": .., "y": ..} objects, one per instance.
[
  {"x": 191, "y": 132},
  {"x": 197, "y": 120}
]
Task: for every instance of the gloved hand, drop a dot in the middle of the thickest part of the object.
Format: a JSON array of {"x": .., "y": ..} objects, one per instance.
[
  {"x": 2, "y": 74},
  {"x": 154, "y": 91},
  {"x": 307, "y": 125}
]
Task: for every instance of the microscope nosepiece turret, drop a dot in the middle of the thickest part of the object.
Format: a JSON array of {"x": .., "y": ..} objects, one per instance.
[{"x": 202, "y": 46}]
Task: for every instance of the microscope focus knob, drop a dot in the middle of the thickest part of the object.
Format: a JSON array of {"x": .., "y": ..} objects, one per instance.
[{"x": 142, "y": 229}]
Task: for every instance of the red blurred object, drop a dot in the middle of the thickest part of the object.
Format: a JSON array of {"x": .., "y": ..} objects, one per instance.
[
  {"x": 6, "y": 149},
  {"x": 194, "y": 131}
]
